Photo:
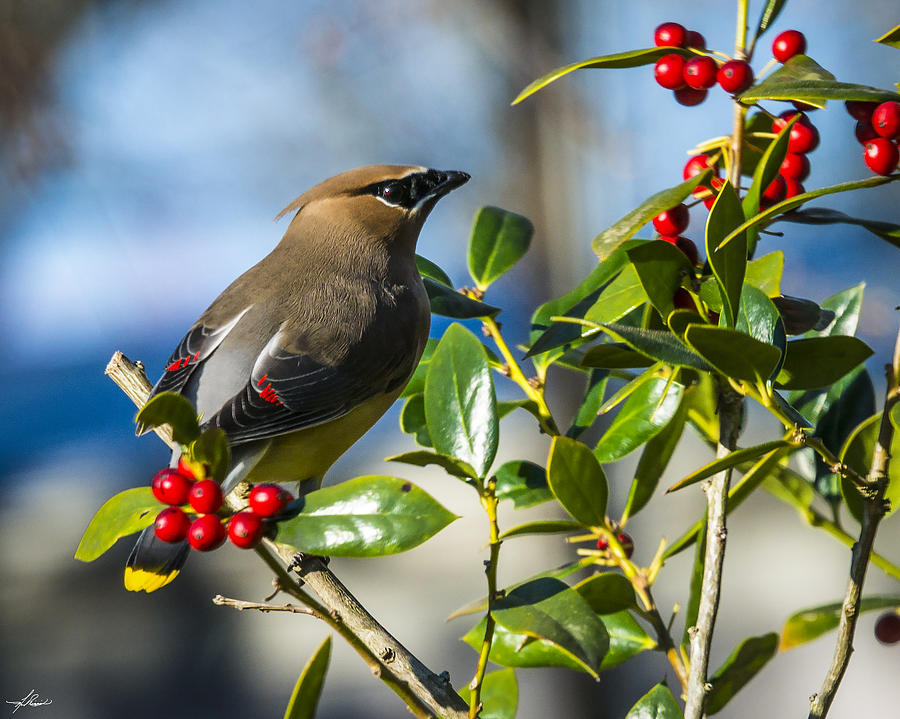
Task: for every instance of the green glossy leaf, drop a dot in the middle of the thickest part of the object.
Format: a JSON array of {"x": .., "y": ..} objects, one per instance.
[
  {"x": 125, "y": 513},
  {"x": 818, "y": 362},
  {"x": 542, "y": 526},
  {"x": 412, "y": 420},
  {"x": 658, "y": 703},
  {"x": 653, "y": 462},
  {"x": 728, "y": 263},
  {"x": 614, "y": 356},
  {"x": 644, "y": 414},
  {"x": 891, "y": 37},
  {"x": 857, "y": 454},
  {"x": 510, "y": 406},
  {"x": 364, "y": 517},
  {"x": 171, "y": 409},
  {"x": 678, "y": 321},
  {"x": 754, "y": 146},
  {"x": 460, "y": 406},
  {"x": 811, "y": 623},
  {"x": 887, "y": 231},
  {"x": 802, "y": 78},
  {"x": 745, "y": 662},
  {"x": 661, "y": 268},
  {"x": 423, "y": 458},
  {"x": 626, "y": 390},
  {"x": 305, "y": 697},
  {"x": 765, "y": 172},
  {"x": 512, "y": 649},
  {"x": 658, "y": 345},
  {"x": 525, "y": 483},
  {"x": 702, "y": 400},
  {"x": 758, "y": 317},
  {"x": 416, "y": 384},
  {"x": 499, "y": 239},
  {"x": 769, "y": 14},
  {"x": 624, "y": 293},
  {"x": 211, "y": 448},
  {"x": 607, "y": 592},
  {"x": 564, "y": 305},
  {"x": 764, "y": 273},
  {"x": 577, "y": 480},
  {"x": 612, "y": 238},
  {"x": 627, "y": 638},
  {"x": 480, "y": 605},
  {"x": 447, "y": 302},
  {"x": 770, "y": 214},
  {"x": 734, "y": 353},
  {"x": 549, "y": 610},
  {"x": 800, "y": 315},
  {"x": 427, "y": 268},
  {"x": 732, "y": 459},
  {"x": 590, "y": 404},
  {"x": 632, "y": 58},
  {"x": 499, "y": 695}
]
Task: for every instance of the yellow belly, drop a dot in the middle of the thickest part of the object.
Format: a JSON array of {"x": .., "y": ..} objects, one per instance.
[{"x": 309, "y": 453}]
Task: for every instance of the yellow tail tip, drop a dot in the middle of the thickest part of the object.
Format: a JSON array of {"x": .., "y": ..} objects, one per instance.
[{"x": 142, "y": 580}]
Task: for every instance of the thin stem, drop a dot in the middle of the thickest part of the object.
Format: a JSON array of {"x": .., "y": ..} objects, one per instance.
[
  {"x": 489, "y": 502},
  {"x": 716, "y": 489},
  {"x": 873, "y": 511},
  {"x": 241, "y": 605},
  {"x": 536, "y": 394}
]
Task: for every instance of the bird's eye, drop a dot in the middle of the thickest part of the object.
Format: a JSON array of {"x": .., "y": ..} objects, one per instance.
[{"x": 393, "y": 192}]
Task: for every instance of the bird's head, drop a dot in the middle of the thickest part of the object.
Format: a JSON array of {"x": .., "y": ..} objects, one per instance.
[{"x": 384, "y": 201}]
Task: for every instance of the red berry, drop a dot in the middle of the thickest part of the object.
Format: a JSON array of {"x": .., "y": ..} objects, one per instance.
[
  {"x": 804, "y": 138},
  {"x": 207, "y": 533},
  {"x": 788, "y": 44},
  {"x": 696, "y": 165},
  {"x": 669, "y": 71},
  {"x": 780, "y": 122},
  {"x": 171, "y": 487},
  {"x": 700, "y": 72},
  {"x": 795, "y": 166},
  {"x": 865, "y": 132},
  {"x": 735, "y": 76},
  {"x": 206, "y": 496},
  {"x": 774, "y": 193},
  {"x": 696, "y": 40},
  {"x": 686, "y": 245},
  {"x": 860, "y": 110},
  {"x": 267, "y": 500},
  {"x": 792, "y": 188},
  {"x": 682, "y": 300},
  {"x": 887, "y": 628},
  {"x": 670, "y": 34},
  {"x": 689, "y": 97},
  {"x": 881, "y": 156},
  {"x": 672, "y": 222},
  {"x": 246, "y": 529},
  {"x": 886, "y": 119},
  {"x": 185, "y": 468},
  {"x": 171, "y": 525},
  {"x": 626, "y": 542}
]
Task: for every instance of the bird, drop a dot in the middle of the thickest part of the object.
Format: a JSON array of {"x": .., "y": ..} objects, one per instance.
[{"x": 303, "y": 353}]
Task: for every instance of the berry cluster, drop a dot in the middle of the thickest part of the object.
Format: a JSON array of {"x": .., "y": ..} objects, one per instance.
[
  {"x": 207, "y": 530},
  {"x": 691, "y": 79},
  {"x": 878, "y": 130},
  {"x": 803, "y": 139}
]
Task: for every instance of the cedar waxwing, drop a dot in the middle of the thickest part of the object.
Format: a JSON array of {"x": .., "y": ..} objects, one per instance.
[{"x": 300, "y": 356}]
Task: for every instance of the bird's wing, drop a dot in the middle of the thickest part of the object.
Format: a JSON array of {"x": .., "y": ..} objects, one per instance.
[
  {"x": 291, "y": 389},
  {"x": 196, "y": 346}
]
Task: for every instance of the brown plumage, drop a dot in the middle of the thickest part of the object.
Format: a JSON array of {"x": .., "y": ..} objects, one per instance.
[{"x": 301, "y": 354}]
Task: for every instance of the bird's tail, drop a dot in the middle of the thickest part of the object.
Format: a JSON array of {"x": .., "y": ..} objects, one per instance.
[{"x": 154, "y": 563}]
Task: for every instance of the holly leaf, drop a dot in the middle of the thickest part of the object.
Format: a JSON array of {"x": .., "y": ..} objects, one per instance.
[
  {"x": 577, "y": 480},
  {"x": 499, "y": 239},
  {"x": 171, "y": 409},
  {"x": 305, "y": 697},
  {"x": 125, "y": 513},
  {"x": 806, "y": 625},
  {"x": 499, "y": 695},
  {"x": 745, "y": 662}
]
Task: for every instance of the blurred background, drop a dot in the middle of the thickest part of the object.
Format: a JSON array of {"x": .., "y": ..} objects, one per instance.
[{"x": 144, "y": 149}]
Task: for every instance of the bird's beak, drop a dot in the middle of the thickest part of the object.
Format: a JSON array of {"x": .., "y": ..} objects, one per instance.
[{"x": 451, "y": 179}]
